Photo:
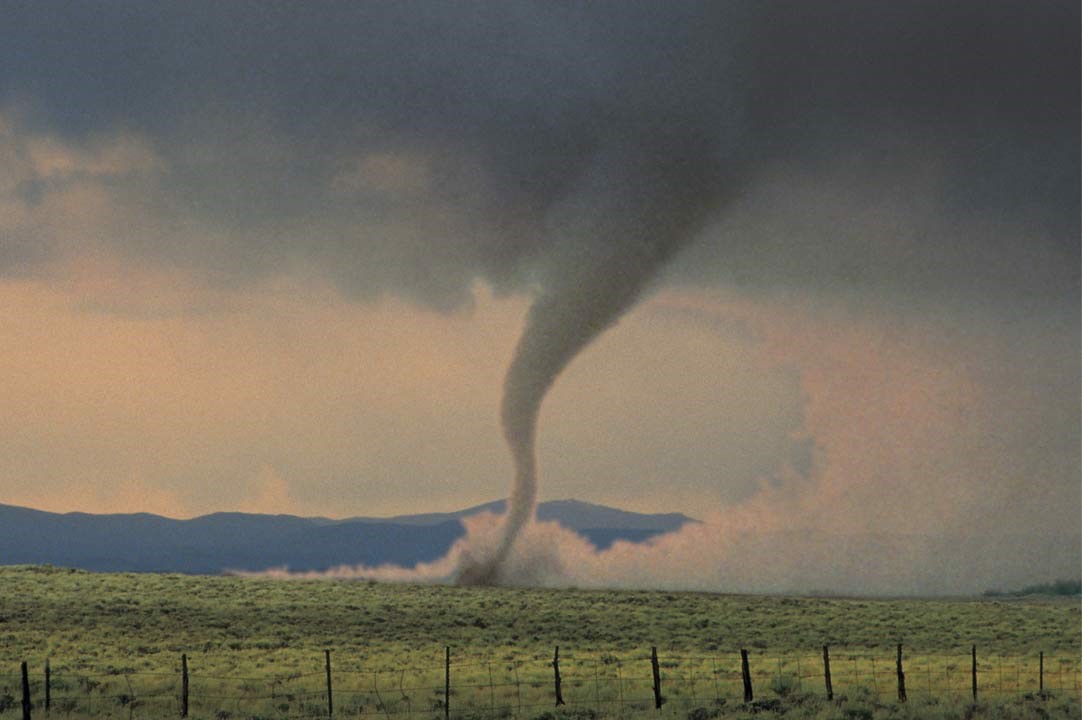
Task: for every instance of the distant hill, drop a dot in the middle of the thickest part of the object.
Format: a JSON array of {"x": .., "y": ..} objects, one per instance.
[
  {"x": 572, "y": 514},
  {"x": 239, "y": 541}
]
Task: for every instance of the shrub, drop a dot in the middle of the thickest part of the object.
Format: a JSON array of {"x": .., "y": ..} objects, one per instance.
[
  {"x": 701, "y": 713},
  {"x": 784, "y": 685}
]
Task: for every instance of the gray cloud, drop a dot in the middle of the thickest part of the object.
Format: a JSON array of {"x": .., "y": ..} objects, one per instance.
[{"x": 259, "y": 110}]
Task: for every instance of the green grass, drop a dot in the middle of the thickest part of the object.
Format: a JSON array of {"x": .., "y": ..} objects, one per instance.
[{"x": 255, "y": 649}]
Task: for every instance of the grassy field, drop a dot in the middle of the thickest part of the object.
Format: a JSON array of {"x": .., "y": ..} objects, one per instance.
[{"x": 255, "y": 648}]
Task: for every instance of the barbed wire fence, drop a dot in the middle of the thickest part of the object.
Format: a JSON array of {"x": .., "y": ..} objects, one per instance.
[{"x": 586, "y": 685}]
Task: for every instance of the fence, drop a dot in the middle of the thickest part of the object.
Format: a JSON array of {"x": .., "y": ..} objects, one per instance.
[{"x": 590, "y": 685}]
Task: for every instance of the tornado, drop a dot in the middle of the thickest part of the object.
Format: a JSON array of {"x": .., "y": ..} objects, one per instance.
[{"x": 615, "y": 230}]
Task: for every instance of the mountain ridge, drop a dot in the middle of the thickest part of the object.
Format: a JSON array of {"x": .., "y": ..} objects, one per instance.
[{"x": 221, "y": 541}]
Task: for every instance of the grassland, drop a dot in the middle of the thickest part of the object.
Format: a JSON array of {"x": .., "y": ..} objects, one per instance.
[{"x": 255, "y": 648}]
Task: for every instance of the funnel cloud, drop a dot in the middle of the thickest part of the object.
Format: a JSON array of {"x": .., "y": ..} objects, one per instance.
[{"x": 642, "y": 211}]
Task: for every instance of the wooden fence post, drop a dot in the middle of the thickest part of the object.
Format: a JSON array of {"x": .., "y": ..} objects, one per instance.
[
  {"x": 447, "y": 687},
  {"x": 745, "y": 671},
  {"x": 518, "y": 689},
  {"x": 826, "y": 673},
  {"x": 901, "y": 676},
  {"x": 657, "y": 678},
  {"x": 556, "y": 672},
  {"x": 184, "y": 686},
  {"x": 26, "y": 693},
  {"x": 48, "y": 686},
  {"x": 1040, "y": 675},
  {"x": 974, "y": 673},
  {"x": 597, "y": 688},
  {"x": 330, "y": 692}
]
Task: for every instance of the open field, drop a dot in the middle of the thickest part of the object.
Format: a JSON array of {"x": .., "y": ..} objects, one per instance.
[{"x": 255, "y": 648}]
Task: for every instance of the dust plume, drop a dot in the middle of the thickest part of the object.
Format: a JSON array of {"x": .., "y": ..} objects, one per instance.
[
  {"x": 925, "y": 505},
  {"x": 745, "y": 550}
]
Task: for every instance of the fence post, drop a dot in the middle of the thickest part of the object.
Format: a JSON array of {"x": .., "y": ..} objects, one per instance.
[
  {"x": 974, "y": 673},
  {"x": 556, "y": 672},
  {"x": 901, "y": 676},
  {"x": 826, "y": 673},
  {"x": 1040, "y": 674},
  {"x": 745, "y": 671},
  {"x": 48, "y": 686},
  {"x": 518, "y": 690},
  {"x": 447, "y": 687},
  {"x": 597, "y": 689},
  {"x": 330, "y": 692},
  {"x": 657, "y": 678},
  {"x": 184, "y": 686},
  {"x": 26, "y": 693}
]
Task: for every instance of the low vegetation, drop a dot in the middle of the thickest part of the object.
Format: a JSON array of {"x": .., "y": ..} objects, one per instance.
[{"x": 255, "y": 648}]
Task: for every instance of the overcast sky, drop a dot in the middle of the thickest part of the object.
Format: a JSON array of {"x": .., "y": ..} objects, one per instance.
[{"x": 276, "y": 256}]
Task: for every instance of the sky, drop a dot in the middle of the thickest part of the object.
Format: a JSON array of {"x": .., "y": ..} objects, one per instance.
[{"x": 277, "y": 257}]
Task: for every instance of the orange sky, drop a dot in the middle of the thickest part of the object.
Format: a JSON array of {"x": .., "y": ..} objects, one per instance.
[{"x": 287, "y": 397}]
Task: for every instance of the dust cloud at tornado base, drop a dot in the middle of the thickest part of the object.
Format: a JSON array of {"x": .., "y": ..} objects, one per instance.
[
  {"x": 915, "y": 507},
  {"x": 734, "y": 553}
]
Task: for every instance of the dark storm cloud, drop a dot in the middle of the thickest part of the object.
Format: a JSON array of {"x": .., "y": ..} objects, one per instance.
[{"x": 260, "y": 109}]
